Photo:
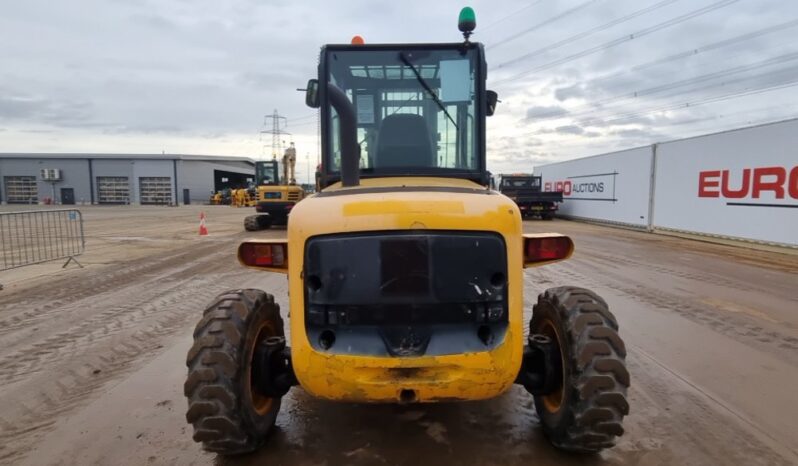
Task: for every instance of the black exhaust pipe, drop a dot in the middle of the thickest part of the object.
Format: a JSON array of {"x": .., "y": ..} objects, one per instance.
[{"x": 350, "y": 149}]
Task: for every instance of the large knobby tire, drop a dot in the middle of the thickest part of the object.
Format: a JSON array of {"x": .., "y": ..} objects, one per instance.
[
  {"x": 257, "y": 222},
  {"x": 228, "y": 413},
  {"x": 586, "y": 411}
]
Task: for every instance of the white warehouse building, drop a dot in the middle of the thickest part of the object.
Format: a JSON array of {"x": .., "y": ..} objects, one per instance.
[
  {"x": 43, "y": 178},
  {"x": 740, "y": 184}
]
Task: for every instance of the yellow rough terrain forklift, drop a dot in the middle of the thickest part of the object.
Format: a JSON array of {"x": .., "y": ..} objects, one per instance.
[
  {"x": 274, "y": 196},
  {"x": 405, "y": 272}
]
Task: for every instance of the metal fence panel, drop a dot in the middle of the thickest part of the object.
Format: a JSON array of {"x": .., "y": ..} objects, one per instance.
[{"x": 34, "y": 237}]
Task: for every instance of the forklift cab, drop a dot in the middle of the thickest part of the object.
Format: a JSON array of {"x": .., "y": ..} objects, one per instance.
[{"x": 419, "y": 110}]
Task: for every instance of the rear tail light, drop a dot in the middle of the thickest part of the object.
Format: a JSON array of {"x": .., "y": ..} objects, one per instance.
[
  {"x": 268, "y": 255},
  {"x": 546, "y": 248}
]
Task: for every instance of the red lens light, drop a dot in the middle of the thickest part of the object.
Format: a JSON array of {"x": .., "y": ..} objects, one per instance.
[
  {"x": 545, "y": 249},
  {"x": 264, "y": 255}
]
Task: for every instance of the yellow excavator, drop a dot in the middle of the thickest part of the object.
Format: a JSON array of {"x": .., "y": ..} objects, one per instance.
[
  {"x": 275, "y": 193},
  {"x": 406, "y": 271},
  {"x": 243, "y": 197}
]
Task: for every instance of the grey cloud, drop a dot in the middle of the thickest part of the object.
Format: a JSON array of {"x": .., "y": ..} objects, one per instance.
[
  {"x": 154, "y": 21},
  {"x": 213, "y": 135},
  {"x": 15, "y": 107},
  {"x": 518, "y": 161},
  {"x": 510, "y": 143},
  {"x": 643, "y": 65},
  {"x": 144, "y": 129},
  {"x": 569, "y": 129},
  {"x": 37, "y": 131},
  {"x": 569, "y": 92},
  {"x": 646, "y": 120},
  {"x": 269, "y": 80},
  {"x": 516, "y": 153},
  {"x": 26, "y": 108},
  {"x": 209, "y": 69},
  {"x": 520, "y": 158},
  {"x": 631, "y": 133},
  {"x": 544, "y": 111}
]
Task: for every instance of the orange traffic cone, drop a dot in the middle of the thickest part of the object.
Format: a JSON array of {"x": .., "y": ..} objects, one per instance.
[{"x": 203, "y": 230}]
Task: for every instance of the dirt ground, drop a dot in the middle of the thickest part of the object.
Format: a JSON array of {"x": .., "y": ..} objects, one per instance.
[{"x": 92, "y": 359}]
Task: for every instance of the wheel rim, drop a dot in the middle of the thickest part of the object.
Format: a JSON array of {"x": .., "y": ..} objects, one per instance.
[
  {"x": 553, "y": 401},
  {"x": 260, "y": 402}
]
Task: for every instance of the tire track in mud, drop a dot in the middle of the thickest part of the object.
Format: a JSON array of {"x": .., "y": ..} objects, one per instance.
[
  {"x": 39, "y": 356},
  {"x": 757, "y": 334},
  {"x": 64, "y": 388},
  {"x": 661, "y": 399},
  {"x": 595, "y": 256},
  {"x": 657, "y": 407},
  {"x": 95, "y": 308},
  {"x": 50, "y": 377},
  {"x": 72, "y": 288},
  {"x": 137, "y": 305}
]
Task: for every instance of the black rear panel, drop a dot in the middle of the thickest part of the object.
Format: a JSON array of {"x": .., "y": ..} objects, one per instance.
[{"x": 406, "y": 293}]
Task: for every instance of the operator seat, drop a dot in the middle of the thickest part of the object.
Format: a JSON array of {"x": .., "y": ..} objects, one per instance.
[{"x": 404, "y": 141}]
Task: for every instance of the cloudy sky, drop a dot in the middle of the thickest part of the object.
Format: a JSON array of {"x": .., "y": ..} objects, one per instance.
[{"x": 575, "y": 77}]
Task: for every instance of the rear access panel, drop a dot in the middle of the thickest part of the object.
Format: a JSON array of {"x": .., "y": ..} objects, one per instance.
[{"x": 399, "y": 294}]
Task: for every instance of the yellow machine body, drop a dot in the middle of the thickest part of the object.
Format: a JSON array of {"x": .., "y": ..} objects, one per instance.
[
  {"x": 279, "y": 193},
  {"x": 241, "y": 198},
  {"x": 469, "y": 376}
]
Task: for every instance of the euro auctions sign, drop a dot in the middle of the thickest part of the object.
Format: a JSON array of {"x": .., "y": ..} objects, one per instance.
[
  {"x": 768, "y": 186},
  {"x": 595, "y": 187}
]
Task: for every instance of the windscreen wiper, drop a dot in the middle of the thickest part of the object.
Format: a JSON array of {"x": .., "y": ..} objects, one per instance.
[{"x": 426, "y": 87}]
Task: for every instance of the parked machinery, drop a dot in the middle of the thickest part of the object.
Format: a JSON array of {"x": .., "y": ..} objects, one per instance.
[
  {"x": 527, "y": 192},
  {"x": 405, "y": 273},
  {"x": 274, "y": 195}
]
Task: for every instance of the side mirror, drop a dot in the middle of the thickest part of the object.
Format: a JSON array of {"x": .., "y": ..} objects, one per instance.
[
  {"x": 492, "y": 98},
  {"x": 312, "y": 94}
]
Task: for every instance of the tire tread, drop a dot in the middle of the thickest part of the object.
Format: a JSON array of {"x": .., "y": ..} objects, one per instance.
[
  {"x": 216, "y": 399},
  {"x": 598, "y": 380}
]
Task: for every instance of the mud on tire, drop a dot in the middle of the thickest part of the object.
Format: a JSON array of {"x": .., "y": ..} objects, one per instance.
[
  {"x": 228, "y": 414},
  {"x": 586, "y": 414}
]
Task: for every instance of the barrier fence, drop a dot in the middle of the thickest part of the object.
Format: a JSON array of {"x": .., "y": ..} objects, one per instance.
[{"x": 33, "y": 237}]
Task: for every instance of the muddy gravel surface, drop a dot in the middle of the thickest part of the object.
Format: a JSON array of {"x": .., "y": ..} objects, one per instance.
[{"x": 92, "y": 360}]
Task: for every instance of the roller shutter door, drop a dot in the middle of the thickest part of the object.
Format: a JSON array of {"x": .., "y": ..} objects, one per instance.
[
  {"x": 113, "y": 190},
  {"x": 21, "y": 190},
  {"x": 155, "y": 190}
]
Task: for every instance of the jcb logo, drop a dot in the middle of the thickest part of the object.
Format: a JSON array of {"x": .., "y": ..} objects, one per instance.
[{"x": 752, "y": 182}]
